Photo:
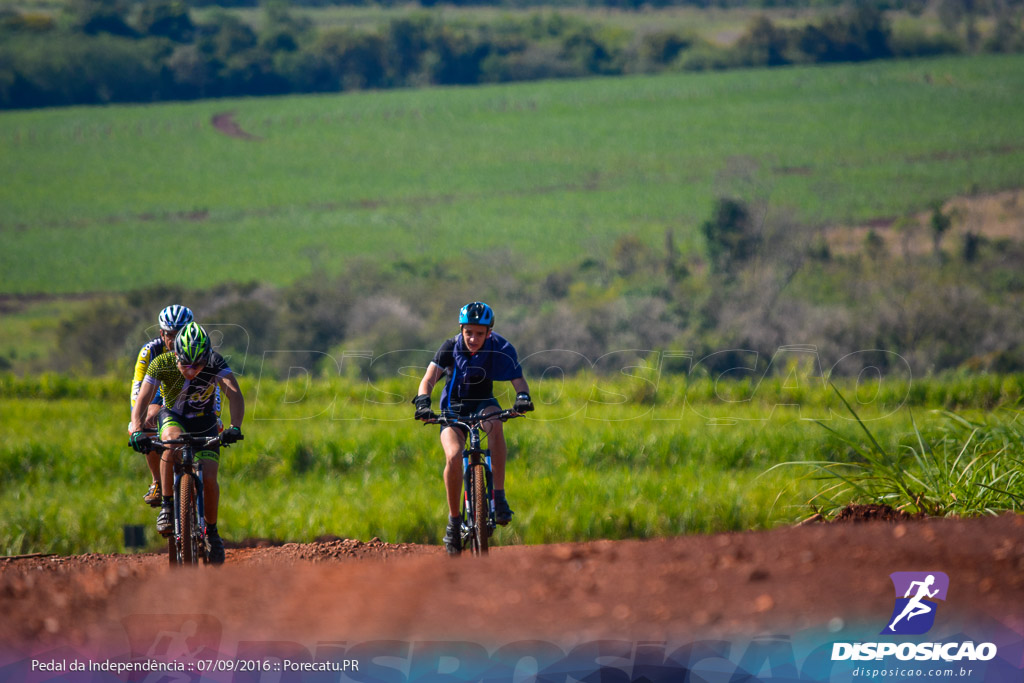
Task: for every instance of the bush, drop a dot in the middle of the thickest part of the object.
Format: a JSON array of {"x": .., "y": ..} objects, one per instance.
[
  {"x": 730, "y": 236},
  {"x": 26, "y": 22},
  {"x": 80, "y": 70},
  {"x": 705, "y": 57},
  {"x": 661, "y": 48},
  {"x": 166, "y": 19},
  {"x": 1008, "y": 36},
  {"x": 919, "y": 44}
]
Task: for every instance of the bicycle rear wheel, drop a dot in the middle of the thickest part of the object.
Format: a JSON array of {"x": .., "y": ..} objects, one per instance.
[
  {"x": 481, "y": 509},
  {"x": 187, "y": 496}
]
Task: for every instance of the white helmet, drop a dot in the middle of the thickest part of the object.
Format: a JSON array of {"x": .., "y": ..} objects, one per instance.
[{"x": 174, "y": 317}]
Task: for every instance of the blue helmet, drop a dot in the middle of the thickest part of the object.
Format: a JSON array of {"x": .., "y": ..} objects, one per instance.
[
  {"x": 174, "y": 318},
  {"x": 476, "y": 313}
]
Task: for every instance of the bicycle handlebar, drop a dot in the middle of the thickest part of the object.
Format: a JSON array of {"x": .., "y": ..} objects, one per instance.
[
  {"x": 193, "y": 440},
  {"x": 472, "y": 421}
]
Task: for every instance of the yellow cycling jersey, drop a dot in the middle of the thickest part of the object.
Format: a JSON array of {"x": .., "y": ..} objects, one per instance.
[{"x": 147, "y": 353}]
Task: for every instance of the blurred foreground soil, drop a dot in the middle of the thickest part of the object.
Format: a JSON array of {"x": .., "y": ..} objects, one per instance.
[{"x": 820, "y": 575}]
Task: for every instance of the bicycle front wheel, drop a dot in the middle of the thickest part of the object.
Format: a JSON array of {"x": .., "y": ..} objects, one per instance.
[
  {"x": 187, "y": 497},
  {"x": 481, "y": 509}
]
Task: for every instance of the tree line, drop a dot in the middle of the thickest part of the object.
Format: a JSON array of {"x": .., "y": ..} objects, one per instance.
[{"x": 105, "y": 51}]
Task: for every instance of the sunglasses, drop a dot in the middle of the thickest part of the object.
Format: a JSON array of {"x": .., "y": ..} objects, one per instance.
[{"x": 190, "y": 366}]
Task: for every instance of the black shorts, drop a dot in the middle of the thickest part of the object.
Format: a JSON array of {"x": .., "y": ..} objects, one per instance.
[
  {"x": 201, "y": 425},
  {"x": 466, "y": 409}
]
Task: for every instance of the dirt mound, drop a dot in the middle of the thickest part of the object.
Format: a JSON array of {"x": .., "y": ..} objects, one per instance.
[
  {"x": 226, "y": 124},
  {"x": 326, "y": 550}
]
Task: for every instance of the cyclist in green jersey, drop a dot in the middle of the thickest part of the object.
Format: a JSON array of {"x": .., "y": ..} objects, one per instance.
[
  {"x": 188, "y": 378},
  {"x": 171, "y": 320}
]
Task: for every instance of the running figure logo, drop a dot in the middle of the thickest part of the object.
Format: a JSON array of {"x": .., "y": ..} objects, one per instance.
[{"x": 916, "y": 595}]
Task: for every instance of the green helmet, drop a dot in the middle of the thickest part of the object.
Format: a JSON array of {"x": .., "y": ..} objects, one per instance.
[{"x": 192, "y": 345}]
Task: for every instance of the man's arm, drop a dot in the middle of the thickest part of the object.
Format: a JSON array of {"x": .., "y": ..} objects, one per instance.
[
  {"x": 422, "y": 400},
  {"x": 142, "y": 401},
  {"x": 520, "y": 385},
  {"x": 430, "y": 378},
  {"x": 236, "y": 402},
  {"x": 138, "y": 379}
]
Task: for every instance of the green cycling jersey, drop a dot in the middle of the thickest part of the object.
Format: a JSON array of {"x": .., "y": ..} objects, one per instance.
[{"x": 188, "y": 398}]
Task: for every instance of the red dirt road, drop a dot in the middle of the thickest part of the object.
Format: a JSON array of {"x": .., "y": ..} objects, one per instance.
[{"x": 813, "y": 576}]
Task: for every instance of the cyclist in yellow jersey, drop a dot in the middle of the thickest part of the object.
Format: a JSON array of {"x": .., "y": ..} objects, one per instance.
[
  {"x": 171, "y": 320},
  {"x": 187, "y": 378}
]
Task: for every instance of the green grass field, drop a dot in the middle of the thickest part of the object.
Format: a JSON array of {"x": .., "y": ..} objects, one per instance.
[
  {"x": 94, "y": 198},
  {"x": 342, "y": 458}
]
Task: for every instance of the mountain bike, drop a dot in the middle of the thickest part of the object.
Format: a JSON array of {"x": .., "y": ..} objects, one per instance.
[
  {"x": 187, "y": 545},
  {"x": 478, "y": 485}
]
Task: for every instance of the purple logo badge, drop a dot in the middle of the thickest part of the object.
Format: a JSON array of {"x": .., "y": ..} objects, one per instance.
[{"x": 917, "y": 594}]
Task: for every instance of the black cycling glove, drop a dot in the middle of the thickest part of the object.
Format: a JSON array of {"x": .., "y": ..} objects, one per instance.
[
  {"x": 231, "y": 435},
  {"x": 141, "y": 442},
  {"x": 523, "y": 403},
  {"x": 422, "y": 403}
]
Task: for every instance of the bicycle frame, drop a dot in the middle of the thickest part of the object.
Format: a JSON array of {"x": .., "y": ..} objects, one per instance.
[{"x": 187, "y": 545}]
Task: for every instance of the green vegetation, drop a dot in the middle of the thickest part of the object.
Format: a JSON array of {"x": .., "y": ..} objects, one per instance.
[
  {"x": 720, "y": 26},
  {"x": 601, "y": 458},
  {"x": 967, "y": 468},
  {"x": 665, "y": 231},
  {"x": 104, "y": 51},
  {"x": 572, "y": 165},
  {"x": 350, "y": 224}
]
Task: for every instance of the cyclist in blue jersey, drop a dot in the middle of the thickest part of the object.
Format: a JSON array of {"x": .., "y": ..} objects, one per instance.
[{"x": 473, "y": 360}]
